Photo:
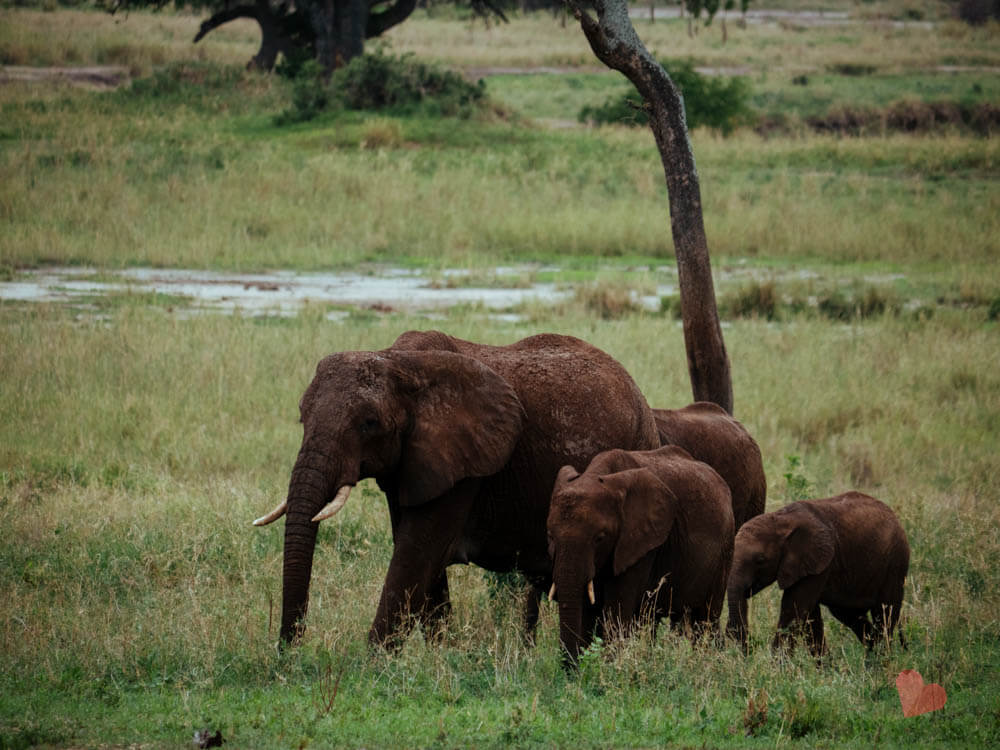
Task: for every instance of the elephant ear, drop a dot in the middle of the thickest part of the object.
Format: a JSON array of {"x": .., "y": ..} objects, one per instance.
[
  {"x": 466, "y": 420},
  {"x": 807, "y": 551},
  {"x": 647, "y": 511},
  {"x": 566, "y": 474}
]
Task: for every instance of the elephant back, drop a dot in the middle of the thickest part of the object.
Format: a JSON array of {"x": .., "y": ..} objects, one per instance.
[{"x": 710, "y": 434}]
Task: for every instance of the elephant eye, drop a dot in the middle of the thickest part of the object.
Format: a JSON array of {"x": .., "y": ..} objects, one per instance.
[{"x": 370, "y": 424}]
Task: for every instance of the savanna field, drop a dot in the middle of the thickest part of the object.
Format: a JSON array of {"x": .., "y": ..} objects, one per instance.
[{"x": 855, "y": 268}]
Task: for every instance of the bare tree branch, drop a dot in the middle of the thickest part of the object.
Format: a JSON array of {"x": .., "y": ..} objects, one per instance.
[
  {"x": 386, "y": 19},
  {"x": 224, "y": 17}
]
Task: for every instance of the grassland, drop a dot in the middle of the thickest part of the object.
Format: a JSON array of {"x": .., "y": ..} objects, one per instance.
[{"x": 137, "y": 443}]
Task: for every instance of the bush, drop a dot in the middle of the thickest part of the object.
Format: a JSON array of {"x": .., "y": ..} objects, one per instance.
[
  {"x": 310, "y": 95},
  {"x": 379, "y": 82},
  {"x": 755, "y": 300},
  {"x": 711, "y": 101},
  {"x": 978, "y": 12},
  {"x": 607, "y": 300}
]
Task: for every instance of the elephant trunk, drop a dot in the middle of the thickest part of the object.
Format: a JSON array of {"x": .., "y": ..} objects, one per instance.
[
  {"x": 308, "y": 491},
  {"x": 571, "y": 592},
  {"x": 300, "y": 542},
  {"x": 738, "y": 593}
]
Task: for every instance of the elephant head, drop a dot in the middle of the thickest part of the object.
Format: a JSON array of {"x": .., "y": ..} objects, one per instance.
[
  {"x": 784, "y": 546},
  {"x": 599, "y": 525},
  {"x": 417, "y": 421}
]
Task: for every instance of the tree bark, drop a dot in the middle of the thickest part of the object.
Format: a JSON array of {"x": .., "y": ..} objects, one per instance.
[{"x": 615, "y": 43}]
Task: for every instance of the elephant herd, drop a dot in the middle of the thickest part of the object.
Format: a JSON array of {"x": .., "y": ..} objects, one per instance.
[{"x": 544, "y": 457}]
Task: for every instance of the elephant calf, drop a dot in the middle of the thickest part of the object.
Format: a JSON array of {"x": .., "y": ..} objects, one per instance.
[
  {"x": 710, "y": 434},
  {"x": 638, "y": 533},
  {"x": 848, "y": 552}
]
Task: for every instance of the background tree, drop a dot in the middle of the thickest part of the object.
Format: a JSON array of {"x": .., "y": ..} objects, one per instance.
[
  {"x": 615, "y": 43},
  {"x": 330, "y": 31}
]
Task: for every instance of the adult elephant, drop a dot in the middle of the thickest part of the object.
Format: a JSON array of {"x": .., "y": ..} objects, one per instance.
[
  {"x": 710, "y": 434},
  {"x": 465, "y": 440}
]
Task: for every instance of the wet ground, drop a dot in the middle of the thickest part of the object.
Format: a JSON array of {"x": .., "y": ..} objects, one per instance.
[
  {"x": 501, "y": 293},
  {"x": 285, "y": 292}
]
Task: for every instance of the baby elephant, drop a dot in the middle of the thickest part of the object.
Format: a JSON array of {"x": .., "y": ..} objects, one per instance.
[
  {"x": 709, "y": 434},
  {"x": 638, "y": 533},
  {"x": 848, "y": 552}
]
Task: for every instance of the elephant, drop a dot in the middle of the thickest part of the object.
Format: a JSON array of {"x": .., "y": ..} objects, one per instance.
[
  {"x": 465, "y": 440},
  {"x": 637, "y": 534},
  {"x": 710, "y": 434},
  {"x": 847, "y": 552}
]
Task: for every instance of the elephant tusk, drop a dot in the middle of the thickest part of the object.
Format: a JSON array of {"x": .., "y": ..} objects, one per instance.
[
  {"x": 274, "y": 515},
  {"x": 552, "y": 592},
  {"x": 334, "y": 506},
  {"x": 590, "y": 593}
]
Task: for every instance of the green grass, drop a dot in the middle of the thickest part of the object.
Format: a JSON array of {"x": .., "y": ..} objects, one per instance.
[
  {"x": 141, "y": 604},
  {"x": 138, "y": 442},
  {"x": 219, "y": 185}
]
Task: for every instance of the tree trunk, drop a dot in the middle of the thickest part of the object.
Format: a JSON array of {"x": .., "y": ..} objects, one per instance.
[
  {"x": 615, "y": 42},
  {"x": 270, "y": 44},
  {"x": 271, "y": 37}
]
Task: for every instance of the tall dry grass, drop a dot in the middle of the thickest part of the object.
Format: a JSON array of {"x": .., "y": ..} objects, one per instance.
[
  {"x": 138, "y": 41},
  {"x": 138, "y": 446},
  {"x": 137, "y": 442}
]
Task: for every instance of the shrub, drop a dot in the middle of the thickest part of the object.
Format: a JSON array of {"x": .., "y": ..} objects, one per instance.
[
  {"x": 978, "y": 12},
  {"x": 994, "y": 310},
  {"x": 711, "y": 101},
  {"x": 379, "y": 82},
  {"x": 755, "y": 300},
  {"x": 310, "y": 95},
  {"x": 863, "y": 304},
  {"x": 851, "y": 69},
  {"x": 607, "y": 300}
]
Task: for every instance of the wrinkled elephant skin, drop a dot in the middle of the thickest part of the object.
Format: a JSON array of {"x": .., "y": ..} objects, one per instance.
[
  {"x": 639, "y": 534},
  {"x": 710, "y": 434},
  {"x": 465, "y": 440},
  {"x": 848, "y": 552}
]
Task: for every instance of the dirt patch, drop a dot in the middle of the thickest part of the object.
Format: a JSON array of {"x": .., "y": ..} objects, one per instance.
[{"x": 94, "y": 76}]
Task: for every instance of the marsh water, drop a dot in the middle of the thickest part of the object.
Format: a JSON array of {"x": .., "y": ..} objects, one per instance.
[
  {"x": 503, "y": 292},
  {"x": 500, "y": 292}
]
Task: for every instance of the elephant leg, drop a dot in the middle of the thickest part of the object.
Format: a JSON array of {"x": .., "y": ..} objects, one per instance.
[
  {"x": 857, "y": 620},
  {"x": 416, "y": 583},
  {"x": 793, "y": 615},
  {"x": 800, "y": 608},
  {"x": 705, "y": 621},
  {"x": 437, "y": 610},
  {"x": 532, "y": 602},
  {"x": 817, "y": 640}
]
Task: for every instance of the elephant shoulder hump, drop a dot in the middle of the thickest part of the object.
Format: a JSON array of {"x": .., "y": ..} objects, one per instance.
[{"x": 425, "y": 341}]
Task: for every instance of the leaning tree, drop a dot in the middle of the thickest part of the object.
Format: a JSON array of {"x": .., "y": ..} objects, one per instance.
[
  {"x": 334, "y": 31},
  {"x": 615, "y": 43}
]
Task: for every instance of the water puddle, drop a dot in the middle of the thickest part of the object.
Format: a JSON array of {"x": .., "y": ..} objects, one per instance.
[
  {"x": 502, "y": 293},
  {"x": 285, "y": 292}
]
